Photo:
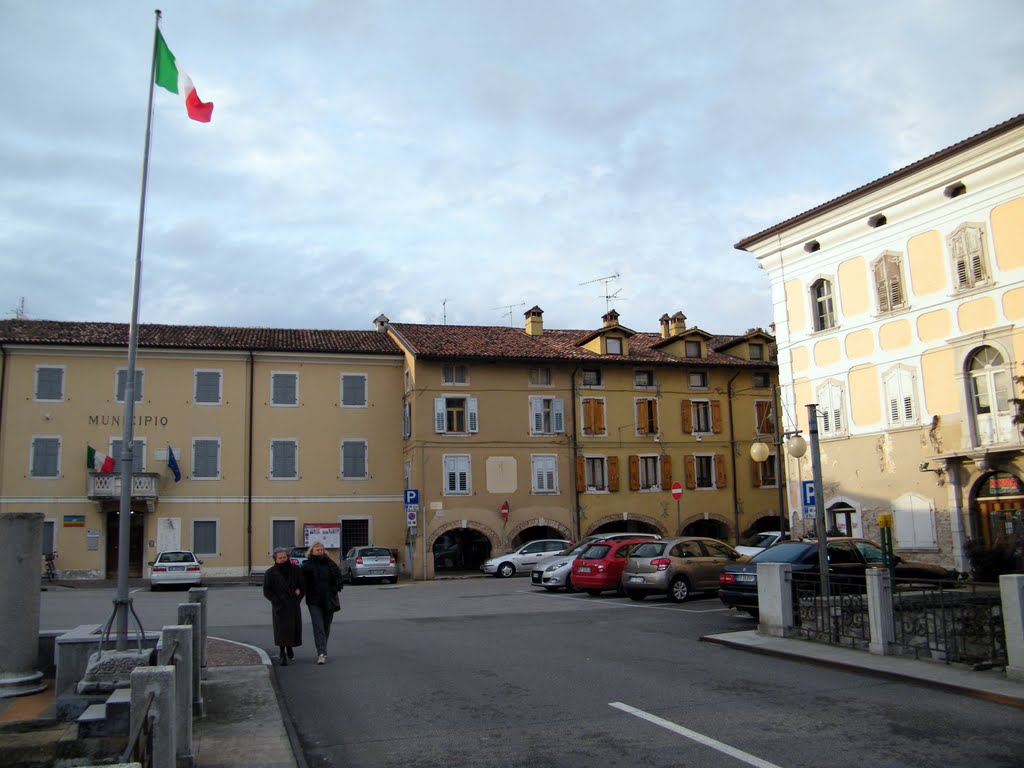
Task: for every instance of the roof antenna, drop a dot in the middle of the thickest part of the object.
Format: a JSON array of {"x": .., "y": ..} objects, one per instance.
[
  {"x": 19, "y": 311},
  {"x": 444, "y": 312},
  {"x": 607, "y": 295},
  {"x": 508, "y": 312}
]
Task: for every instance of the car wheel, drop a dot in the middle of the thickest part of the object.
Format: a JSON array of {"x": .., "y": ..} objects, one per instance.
[
  {"x": 393, "y": 579},
  {"x": 568, "y": 583},
  {"x": 593, "y": 592},
  {"x": 634, "y": 595},
  {"x": 679, "y": 589},
  {"x": 505, "y": 570},
  {"x": 154, "y": 588}
]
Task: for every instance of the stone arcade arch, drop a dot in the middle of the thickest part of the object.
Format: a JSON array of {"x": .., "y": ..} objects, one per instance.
[
  {"x": 622, "y": 520},
  {"x": 458, "y": 559},
  {"x": 539, "y": 522},
  {"x": 707, "y": 524}
]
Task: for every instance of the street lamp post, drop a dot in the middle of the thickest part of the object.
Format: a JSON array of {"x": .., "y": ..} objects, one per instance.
[
  {"x": 796, "y": 447},
  {"x": 819, "y": 498}
]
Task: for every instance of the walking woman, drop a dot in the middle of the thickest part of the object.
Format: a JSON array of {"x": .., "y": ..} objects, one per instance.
[
  {"x": 283, "y": 586},
  {"x": 323, "y": 583}
]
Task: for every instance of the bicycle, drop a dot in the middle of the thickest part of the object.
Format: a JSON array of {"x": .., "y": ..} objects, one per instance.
[{"x": 51, "y": 571}]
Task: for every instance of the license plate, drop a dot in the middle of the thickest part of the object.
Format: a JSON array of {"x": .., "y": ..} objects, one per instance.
[
  {"x": 636, "y": 579},
  {"x": 584, "y": 569},
  {"x": 176, "y": 568},
  {"x": 535, "y": 578},
  {"x": 746, "y": 578},
  {"x": 377, "y": 570}
]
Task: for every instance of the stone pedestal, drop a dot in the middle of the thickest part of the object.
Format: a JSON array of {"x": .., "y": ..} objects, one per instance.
[
  {"x": 1011, "y": 588},
  {"x": 775, "y": 599},
  {"x": 21, "y": 547}
]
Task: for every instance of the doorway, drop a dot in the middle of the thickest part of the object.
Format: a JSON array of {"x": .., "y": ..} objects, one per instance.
[{"x": 136, "y": 540}]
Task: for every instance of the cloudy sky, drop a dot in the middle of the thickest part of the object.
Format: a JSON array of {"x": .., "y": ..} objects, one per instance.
[{"x": 384, "y": 157}]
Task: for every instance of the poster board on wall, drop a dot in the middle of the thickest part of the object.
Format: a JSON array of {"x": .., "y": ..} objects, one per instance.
[{"x": 329, "y": 534}]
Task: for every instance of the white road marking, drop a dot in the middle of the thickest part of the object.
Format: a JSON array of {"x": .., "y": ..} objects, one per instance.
[{"x": 700, "y": 738}]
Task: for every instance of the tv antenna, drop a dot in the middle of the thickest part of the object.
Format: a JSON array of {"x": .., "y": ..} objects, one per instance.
[
  {"x": 444, "y": 312},
  {"x": 608, "y": 294},
  {"x": 508, "y": 310},
  {"x": 19, "y": 311}
]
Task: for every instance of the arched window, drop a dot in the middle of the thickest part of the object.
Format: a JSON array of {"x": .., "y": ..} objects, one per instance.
[
  {"x": 990, "y": 387},
  {"x": 824, "y": 311}
]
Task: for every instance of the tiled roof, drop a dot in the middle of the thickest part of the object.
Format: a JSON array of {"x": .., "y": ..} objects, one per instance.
[
  {"x": 935, "y": 157},
  {"x": 485, "y": 342},
  {"x": 197, "y": 337}
]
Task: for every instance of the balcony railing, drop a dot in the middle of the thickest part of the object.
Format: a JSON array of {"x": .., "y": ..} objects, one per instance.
[{"x": 107, "y": 485}]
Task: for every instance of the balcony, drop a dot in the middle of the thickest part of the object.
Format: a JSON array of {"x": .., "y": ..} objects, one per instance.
[{"x": 107, "y": 485}]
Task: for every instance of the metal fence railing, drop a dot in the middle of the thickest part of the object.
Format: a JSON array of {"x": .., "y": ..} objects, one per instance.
[{"x": 840, "y": 618}]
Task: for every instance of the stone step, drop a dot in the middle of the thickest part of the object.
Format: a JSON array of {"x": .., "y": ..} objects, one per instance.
[
  {"x": 93, "y": 722},
  {"x": 119, "y": 711}
]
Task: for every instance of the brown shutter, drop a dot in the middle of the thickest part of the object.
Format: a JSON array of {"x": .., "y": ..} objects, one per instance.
[
  {"x": 634, "y": 472},
  {"x": 588, "y": 416},
  {"x": 716, "y": 416},
  {"x": 581, "y": 475},
  {"x": 613, "y": 473},
  {"x": 654, "y": 415},
  {"x": 687, "y": 418},
  {"x": 641, "y": 416},
  {"x": 755, "y": 472},
  {"x": 720, "y": 470},
  {"x": 666, "y": 472},
  {"x": 599, "y": 427},
  {"x": 691, "y": 473},
  {"x": 760, "y": 417}
]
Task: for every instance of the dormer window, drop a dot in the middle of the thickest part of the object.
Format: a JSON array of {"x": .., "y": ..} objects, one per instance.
[
  {"x": 613, "y": 345},
  {"x": 693, "y": 349},
  {"x": 757, "y": 351}
]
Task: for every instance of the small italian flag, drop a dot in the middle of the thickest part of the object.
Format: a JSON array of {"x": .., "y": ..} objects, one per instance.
[
  {"x": 98, "y": 462},
  {"x": 172, "y": 77}
]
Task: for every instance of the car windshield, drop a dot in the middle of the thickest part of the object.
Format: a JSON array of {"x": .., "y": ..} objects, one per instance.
[
  {"x": 297, "y": 552},
  {"x": 648, "y": 550},
  {"x": 376, "y": 552},
  {"x": 784, "y": 552},
  {"x": 596, "y": 552},
  {"x": 582, "y": 546},
  {"x": 176, "y": 557},
  {"x": 760, "y": 540}
]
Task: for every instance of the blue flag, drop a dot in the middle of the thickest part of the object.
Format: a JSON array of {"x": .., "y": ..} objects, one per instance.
[{"x": 172, "y": 464}]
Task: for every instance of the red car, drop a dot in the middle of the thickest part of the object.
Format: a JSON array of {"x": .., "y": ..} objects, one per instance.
[{"x": 601, "y": 564}]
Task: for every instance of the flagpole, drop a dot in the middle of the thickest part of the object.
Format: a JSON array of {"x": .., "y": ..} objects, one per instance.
[{"x": 122, "y": 604}]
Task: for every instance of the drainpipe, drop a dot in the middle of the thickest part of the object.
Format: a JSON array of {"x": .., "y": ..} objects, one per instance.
[
  {"x": 574, "y": 446},
  {"x": 248, "y": 494},
  {"x": 732, "y": 456}
]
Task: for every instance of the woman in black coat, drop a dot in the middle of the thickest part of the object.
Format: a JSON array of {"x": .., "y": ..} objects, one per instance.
[
  {"x": 323, "y": 583},
  {"x": 283, "y": 586}
]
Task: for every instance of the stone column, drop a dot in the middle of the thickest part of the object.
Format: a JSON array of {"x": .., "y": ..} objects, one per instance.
[
  {"x": 199, "y": 595},
  {"x": 1011, "y": 589},
  {"x": 21, "y": 552},
  {"x": 176, "y": 649},
  {"x": 880, "y": 617},
  {"x": 775, "y": 599},
  {"x": 191, "y": 614},
  {"x": 160, "y": 682}
]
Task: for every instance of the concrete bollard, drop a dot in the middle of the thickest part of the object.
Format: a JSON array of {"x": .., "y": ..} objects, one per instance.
[
  {"x": 160, "y": 682},
  {"x": 181, "y": 659},
  {"x": 199, "y": 595},
  {"x": 21, "y": 548},
  {"x": 775, "y": 599},
  {"x": 191, "y": 614},
  {"x": 1011, "y": 591},
  {"x": 880, "y": 618}
]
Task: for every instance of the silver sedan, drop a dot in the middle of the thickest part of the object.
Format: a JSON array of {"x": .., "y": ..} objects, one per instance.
[{"x": 676, "y": 568}]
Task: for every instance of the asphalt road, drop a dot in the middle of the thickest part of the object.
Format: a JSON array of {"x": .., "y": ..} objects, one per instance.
[{"x": 489, "y": 672}]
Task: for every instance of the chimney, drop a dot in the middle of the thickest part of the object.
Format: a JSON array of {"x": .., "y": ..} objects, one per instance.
[
  {"x": 677, "y": 323},
  {"x": 381, "y": 322},
  {"x": 534, "y": 321},
  {"x": 664, "y": 320},
  {"x": 611, "y": 319}
]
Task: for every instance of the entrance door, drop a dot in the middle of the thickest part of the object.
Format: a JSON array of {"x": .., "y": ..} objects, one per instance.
[{"x": 136, "y": 536}]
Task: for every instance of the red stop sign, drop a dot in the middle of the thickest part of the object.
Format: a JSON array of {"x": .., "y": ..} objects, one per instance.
[{"x": 677, "y": 491}]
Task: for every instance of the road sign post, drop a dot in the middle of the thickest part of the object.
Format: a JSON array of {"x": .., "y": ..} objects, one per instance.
[{"x": 677, "y": 494}]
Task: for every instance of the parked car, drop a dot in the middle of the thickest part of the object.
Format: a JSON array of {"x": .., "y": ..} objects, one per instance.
[
  {"x": 676, "y": 568},
  {"x": 554, "y": 573},
  {"x": 599, "y": 567},
  {"x": 758, "y": 542},
  {"x": 297, "y": 555},
  {"x": 369, "y": 563},
  {"x": 179, "y": 568},
  {"x": 847, "y": 558},
  {"x": 522, "y": 559}
]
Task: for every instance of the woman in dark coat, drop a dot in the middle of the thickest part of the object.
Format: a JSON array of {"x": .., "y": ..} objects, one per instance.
[
  {"x": 283, "y": 586},
  {"x": 323, "y": 583}
]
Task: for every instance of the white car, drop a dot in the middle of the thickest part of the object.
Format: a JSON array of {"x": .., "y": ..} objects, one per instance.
[
  {"x": 759, "y": 542},
  {"x": 553, "y": 572},
  {"x": 181, "y": 568},
  {"x": 523, "y": 559}
]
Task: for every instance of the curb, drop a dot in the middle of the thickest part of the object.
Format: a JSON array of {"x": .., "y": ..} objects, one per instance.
[
  {"x": 286, "y": 720},
  {"x": 264, "y": 656}
]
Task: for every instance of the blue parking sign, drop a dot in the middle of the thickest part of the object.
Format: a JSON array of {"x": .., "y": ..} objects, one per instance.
[
  {"x": 808, "y": 491},
  {"x": 412, "y": 497}
]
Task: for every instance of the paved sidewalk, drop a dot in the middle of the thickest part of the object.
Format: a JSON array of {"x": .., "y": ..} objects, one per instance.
[{"x": 990, "y": 684}]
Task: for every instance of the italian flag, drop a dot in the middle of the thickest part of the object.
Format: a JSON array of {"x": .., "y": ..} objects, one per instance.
[
  {"x": 172, "y": 77},
  {"x": 97, "y": 461}
]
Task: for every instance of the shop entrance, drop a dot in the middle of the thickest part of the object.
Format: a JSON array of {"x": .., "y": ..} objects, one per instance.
[
  {"x": 996, "y": 514},
  {"x": 136, "y": 538}
]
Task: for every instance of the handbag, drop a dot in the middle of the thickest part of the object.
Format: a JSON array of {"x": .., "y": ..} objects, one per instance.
[{"x": 335, "y": 602}]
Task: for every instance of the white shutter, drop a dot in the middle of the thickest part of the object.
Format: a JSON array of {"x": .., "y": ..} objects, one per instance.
[
  {"x": 439, "y": 415},
  {"x": 471, "y": 414},
  {"x": 536, "y": 416},
  {"x": 557, "y": 415},
  {"x": 406, "y": 419}
]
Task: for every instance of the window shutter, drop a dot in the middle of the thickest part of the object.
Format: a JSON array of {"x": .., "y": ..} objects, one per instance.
[
  {"x": 581, "y": 474},
  {"x": 654, "y": 416},
  {"x": 353, "y": 459},
  {"x": 716, "y": 416},
  {"x": 207, "y": 386},
  {"x": 687, "y": 410},
  {"x": 439, "y": 415},
  {"x": 666, "y": 472},
  {"x": 406, "y": 419},
  {"x": 283, "y": 465},
  {"x": 137, "y": 455},
  {"x": 634, "y": 472},
  {"x": 588, "y": 416},
  {"x": 755, "y": 472},
  {"x": 205, "y": 459},
  {"x": 536, "y": 416},
  {"x": 50, "y": 384},
  {"x": 471, "y": 414},
  {"x": 558, "y": 415},
  {"x": 599, "y": 427},
  {"x": 719, "y": 471},
  {"x": 353, "y": 390},
  {"x": 613, "y": 473},
  {"x": 284, "y": 389},
  {"x": 908, "y": 408},
  {"x": 691, "y": 472},
  {"x": 642, "y": 410}
]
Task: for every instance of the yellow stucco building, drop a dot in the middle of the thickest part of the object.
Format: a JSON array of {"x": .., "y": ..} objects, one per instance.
[
  {"x": 898, "y": 311},
  {"x": 280, "y": 435}
]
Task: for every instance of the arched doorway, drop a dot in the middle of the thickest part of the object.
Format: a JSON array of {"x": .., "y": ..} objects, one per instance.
[
  {"x": 634, "y": 524},
  {"x": 709, "y": 528},
  {"x": 534, "y": 532},
  {"x": 997, "y": 509},
  {"x": 762, "y": 524},
  {"x": 460, "y": 549}
]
